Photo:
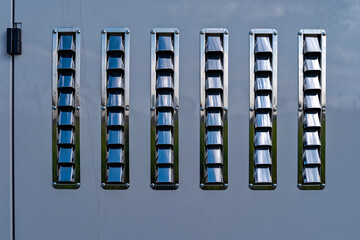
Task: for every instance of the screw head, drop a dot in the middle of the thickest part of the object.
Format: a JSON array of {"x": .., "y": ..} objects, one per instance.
[
  {"x": 226, "y": 185},
  {"x": 299, "y": 185},
  {"x": 152, "y": 185},
  {"x": 299, "y": 33},
  {"x": 251, "y": 109},
  {"x": 274, "y": 185},
  {"x": 251, "y": 186},
  {"x": 54, "y": 183},
  {"x": 176, "y": 185},
  {"x": 275, "y": 109},
  {"x": 127, "y": 31},
  {"x": 54, "y": 31},
  {"x": 202, "y": 108},
  {"x": 176, "y": 108},
  {"x": 177, "y": 32},
  {"x": 127, "y": 108},
  {"x": 54, "y": 107},
  {"x": 78, "y": 184},
  {"x": 127, "y": 185},
  {"x": 152, "y": 108},
  {"x": 275, "y": 33},
  {"x": 323, "y": 33},
  {"x": 201, "y": 185},
  {"x": 152, "y": 32},
  {"x": 300, "y": 109},
  {"x": 77, "y": 107},
  {"x": 103, "y": 108},
  {"x": 103, "y": 184},
  {"x": 202, "y": 32},
  {"x": 103, "y": 31},
  {"x": 323, "y": 109},
  {"x": 78, "y": 31},
  {"x": 226, "y": 32},
  {"x": 251, "y": 33},
  {"x": 323, "y": 185},
  {"x": 225, "y": 108}
]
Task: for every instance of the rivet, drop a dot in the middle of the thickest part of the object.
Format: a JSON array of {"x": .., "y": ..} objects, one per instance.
[
  {"x": 78, "y": 31},
  {"x": 54, "y": 183},
  {"x": 103, "y": 108},
  {"x": 275, "y": 33},
  {"x": 300, "y": 109},
  {"x": 274, "y": 185},
  {"x": 127, "y": 31},
  {"x": 103, "y": 184},
  {"x": 323, "y": 33},
  {"x": 201, "y": 185},
  {"x": 54, "y": 31},
  {"x": 251, "y": 33},
  {"x": 275, "y": 109},
  {"x": 78, "y": 184},
  {"x": 202, "y": 32},
  {"x": 77, "y": 107},
  {"x": 54, "y": 107},
  {"x": 299, "y": 185},
  {"x": 226, "y": 185},
  {"x": 127, "y": 108},
  {"x": 127, "y": 185},
  {"x": 202, "y": 108},
  {"x": 152, "y": 185},
  {"x": 251, "y": 109},
  {"x": 299, "y": 33},
  {"x": 226, "y": 32},
  {"x": 103, "y": 31},
  {"x": 152, "y": 32},
  {"x": 323, "y": 185},
  {"x": 323, "y": 109},
  {"x": 177, "y": 32},
  {"x": 251, "y": 185},
  {"x": 152, "y": 108},
  {"x": 176, "y": 108},
  {"x": 176, "y": 185}
]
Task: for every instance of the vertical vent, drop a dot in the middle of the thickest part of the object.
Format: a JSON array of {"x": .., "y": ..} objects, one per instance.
[
  {"x": 214, "y": 44},
  {"x": 164, "y": 108},
  {"x": 312, "y": 107},
  {"x": 263, "y": 109},
  {"x": 115, "y": 108},
  {"x": 66, "y": 108}
]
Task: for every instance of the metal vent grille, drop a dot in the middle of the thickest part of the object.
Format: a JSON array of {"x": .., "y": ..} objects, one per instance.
[
  {"x": 214, "y": 44},
  {"x": 263, "y": 109},
  {"x": 115, "y": 108},
  {"x": 312, "y": 107},
  {"x": 66, "y": 108},
  {"x": 164, "y": 108}
]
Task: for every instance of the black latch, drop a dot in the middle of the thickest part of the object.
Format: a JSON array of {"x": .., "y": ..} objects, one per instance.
[{"x": 14, "y": 40}]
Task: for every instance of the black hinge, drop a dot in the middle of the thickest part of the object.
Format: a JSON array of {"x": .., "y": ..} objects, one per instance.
[{"x": 14, "y": 40}]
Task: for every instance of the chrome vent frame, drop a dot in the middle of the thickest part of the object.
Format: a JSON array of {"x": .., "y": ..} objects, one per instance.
[
  {"x": 318, "y": 52},
  {"x": 266, "y": 55},
  {"x": 121, "y": 166}
]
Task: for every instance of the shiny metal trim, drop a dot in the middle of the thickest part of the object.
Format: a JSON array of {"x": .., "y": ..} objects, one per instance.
[
  {"x": 153, "y": 45},
  {"x": 301, "y": 35},
  {"x": 203, "y": 182},
  {"x": 55, "y": 183},
  {"x": 126, "y": 110},
  {"x": 274, "y": 36}
]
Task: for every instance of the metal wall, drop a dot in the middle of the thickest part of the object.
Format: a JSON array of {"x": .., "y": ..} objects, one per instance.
[
  {"x": 5, "y": 128},
  {"x": 90, "y": 212}
]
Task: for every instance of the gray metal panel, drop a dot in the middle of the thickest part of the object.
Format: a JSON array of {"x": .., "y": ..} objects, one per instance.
[
  {"x": 5, "y": 125},
  {"x": 187, "y": 213}
]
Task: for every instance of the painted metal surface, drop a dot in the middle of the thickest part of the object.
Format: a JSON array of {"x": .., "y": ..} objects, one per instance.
[
  {"x": 91, "y": 212},
  {"x": 5, "y": 126}
]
